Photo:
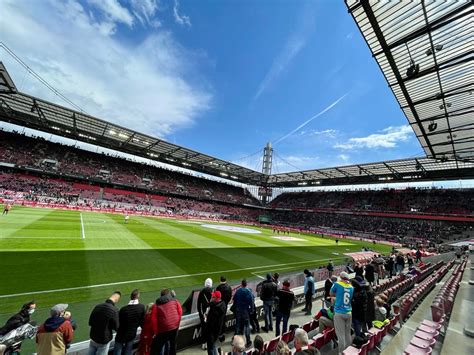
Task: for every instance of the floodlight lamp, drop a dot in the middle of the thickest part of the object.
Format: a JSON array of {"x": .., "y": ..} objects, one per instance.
[{"x": 432, "y": 126}]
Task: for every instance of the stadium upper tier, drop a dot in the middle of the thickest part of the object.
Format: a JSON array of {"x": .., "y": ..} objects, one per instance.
[
  {"x": 28, "y": 111},
  {"x": 436, "y": 201},
  {"x": 42, "y": 155}
]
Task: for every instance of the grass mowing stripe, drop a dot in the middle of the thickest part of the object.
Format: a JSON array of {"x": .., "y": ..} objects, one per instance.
[{"x": 274, "y": 267}]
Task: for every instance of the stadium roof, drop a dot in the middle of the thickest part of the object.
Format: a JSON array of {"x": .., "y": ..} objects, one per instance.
[
  {"x": 425, "y": 50},
  {"x": 28, "y": 111},
  {"x": 405, "y": 170}
]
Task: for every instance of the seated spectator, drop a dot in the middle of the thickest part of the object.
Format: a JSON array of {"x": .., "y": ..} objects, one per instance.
[
  {"x": 238, "y": 345},
  {"x": 301, "y": 343},
  {"x": 258, "y": 345},
  {"x": 380, "y": 310},
  {"x": 325, "y": 317},
  {"x": 282, "y": 348},
  {"x": 56, "y": 333}
]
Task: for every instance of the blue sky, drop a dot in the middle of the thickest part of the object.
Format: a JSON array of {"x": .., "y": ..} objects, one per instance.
[{"x": 221, "y": 77}]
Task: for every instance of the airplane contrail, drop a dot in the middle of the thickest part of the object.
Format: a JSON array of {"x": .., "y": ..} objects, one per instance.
[{"x": 310, "y": 119}]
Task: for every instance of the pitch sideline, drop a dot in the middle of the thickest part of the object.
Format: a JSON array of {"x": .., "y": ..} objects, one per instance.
[{"x": 164, "y": 278}]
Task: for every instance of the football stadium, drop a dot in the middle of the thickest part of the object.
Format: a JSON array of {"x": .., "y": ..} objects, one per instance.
[{"x": 129, "y": 229}]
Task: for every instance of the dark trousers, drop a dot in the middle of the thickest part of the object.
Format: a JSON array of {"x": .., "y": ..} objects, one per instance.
[
  {"x": 281, "y": 317},
  {"x": 161, "y": 339},
  {"x": 308, "y": 297},
  {"x": 254, "y": 322}
]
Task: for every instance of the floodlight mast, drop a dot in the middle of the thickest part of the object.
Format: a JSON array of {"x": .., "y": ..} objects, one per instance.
[{"x": 266, "y": 168}]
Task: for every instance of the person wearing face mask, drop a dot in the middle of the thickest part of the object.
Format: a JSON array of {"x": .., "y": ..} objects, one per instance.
[
  {"x": 55, "y": 333},
  {"x": 20, "y": 318}
]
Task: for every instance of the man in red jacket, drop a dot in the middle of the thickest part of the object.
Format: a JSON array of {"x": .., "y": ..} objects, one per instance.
[{"x": 166, "y": 317}]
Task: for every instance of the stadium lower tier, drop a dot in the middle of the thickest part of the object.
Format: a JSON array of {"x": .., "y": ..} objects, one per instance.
[{"x": 399, "y": 228}]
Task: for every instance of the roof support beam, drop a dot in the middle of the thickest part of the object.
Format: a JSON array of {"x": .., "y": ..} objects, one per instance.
[
  {"x": 36, "y": 108},
  {"x": 344, "y": 172},
  {"x": 393, "y": 171},
  {"x": 383, "y": 43}
]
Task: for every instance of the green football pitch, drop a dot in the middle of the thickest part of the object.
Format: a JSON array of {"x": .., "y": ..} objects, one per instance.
[{"x": 79, "y": 258}]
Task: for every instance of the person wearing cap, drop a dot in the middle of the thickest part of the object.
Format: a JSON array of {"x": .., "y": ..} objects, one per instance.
[
  {"x": 131, "y": 317},
  {"x": 285, "y": 301},
  {"x": 215, "y": 321},
  {"x": 267, "y": 295},
  {"x": 203, "y": 301},
  {"x": 309, "y": 291},
  {"x": 343, "y": 292},
  {"x": 20, "y": 318},
  {"x": 359, "y": 305},
  {"x": 244, "y": 306},
  {"x": 103, "y": 320},
  {"x": 55, "y": 333}
]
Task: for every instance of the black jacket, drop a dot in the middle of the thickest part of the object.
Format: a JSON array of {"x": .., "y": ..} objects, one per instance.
[
  {"x": 103, "y": 319},
  {"x": 226, "y": 292},
  {"x": 268, "y": 290},
  {"x": 215, "y": 319},
  {"x": 370, "y": 312},
  {"x": 204, "y": 298},
  {"x": 15, "y": 321},
  {"x": 327, "y": 288},
  {"x": 131, "y": 317},
  {"x": 369, "y": 272},
  {"x": 359, "y": 303},
  {"x": 285, "y": 301},
  {"x": 359, "y": 271}
]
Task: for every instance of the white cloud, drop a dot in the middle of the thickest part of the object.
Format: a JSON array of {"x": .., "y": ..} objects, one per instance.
[
  {"x": 113, "y": 11},
  {"x": 182, "y": 19},
  {"x": 388, "y": 138},
  {"x": 145, "y": 86},
  {"x": 344, "y": 158},
  {"x": 294, "y": 44},
  {"x": 145, "y": 10}
]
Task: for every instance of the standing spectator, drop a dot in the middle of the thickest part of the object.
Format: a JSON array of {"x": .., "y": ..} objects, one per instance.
[
  {"x": 343, "y": 291},
  {"x": 301, "y": 343},
  {"x": 166, "y": 317},
  {"x": 244, "y": 304},
  {"x": 276, "y": 280},
  {"x": 215, "y": 321},
  {"x": 370, "y": 314},
  {"x": 103, "y": 320},
  {"x": 309, "y": 291},
  {"x": 400, "y": 261},
  {"x": 131, "y": 317},
  {"x": 410, "y": 261},
  {"x": 418, "y": 256},
  {"x": 254, "y": 319},
  {"x": 330, "y": 267},
  {"x": 225, "y": 290},
  {"x": 285, "y": 301},
  {"x": 359, "y": 270},
  {"x": 203, "y": 301},
  {"x": 267, "y": 295},
  {"x": 226, "y": 295},
  {"x": 359, "y": 305},
  {"x": 327, "y": 301},
  {"x": 20, "y": 318},
  {"x": 146, "y": 335},
  {"x": 55, "y": 333},
  {"x": 389, "y": 265},
  {"x": 370, "y": 273}
]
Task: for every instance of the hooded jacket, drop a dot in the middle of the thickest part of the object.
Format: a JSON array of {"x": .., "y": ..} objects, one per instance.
[
  {"x": 166, "y": 314},
  {"x": 215, "y": 319},
  {"x": 103, "y": 320},
  {"x": 15, "y": 321},
  {"x": 53, "y": 336}
]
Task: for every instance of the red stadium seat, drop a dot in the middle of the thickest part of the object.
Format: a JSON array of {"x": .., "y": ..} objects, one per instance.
[
  {"x": 413, "y": 350},
  {"x": 270, "y": 346}
]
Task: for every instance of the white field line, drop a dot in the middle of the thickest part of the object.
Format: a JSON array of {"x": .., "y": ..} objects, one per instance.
[
  {"x": 82, "y": 228},
  {"x": 165, "y": 278},
  {"x": 260, "y": 277}
]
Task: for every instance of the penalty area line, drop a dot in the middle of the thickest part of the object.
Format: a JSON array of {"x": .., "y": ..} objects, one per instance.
[
  {"x": 82, "y": 228},
  {"x": 168, "y": 277}
]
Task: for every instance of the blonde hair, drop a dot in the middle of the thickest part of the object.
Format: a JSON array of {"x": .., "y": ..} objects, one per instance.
[
  {"x": 282, "y": 348},
  {"x": 149, "y": 307}
]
